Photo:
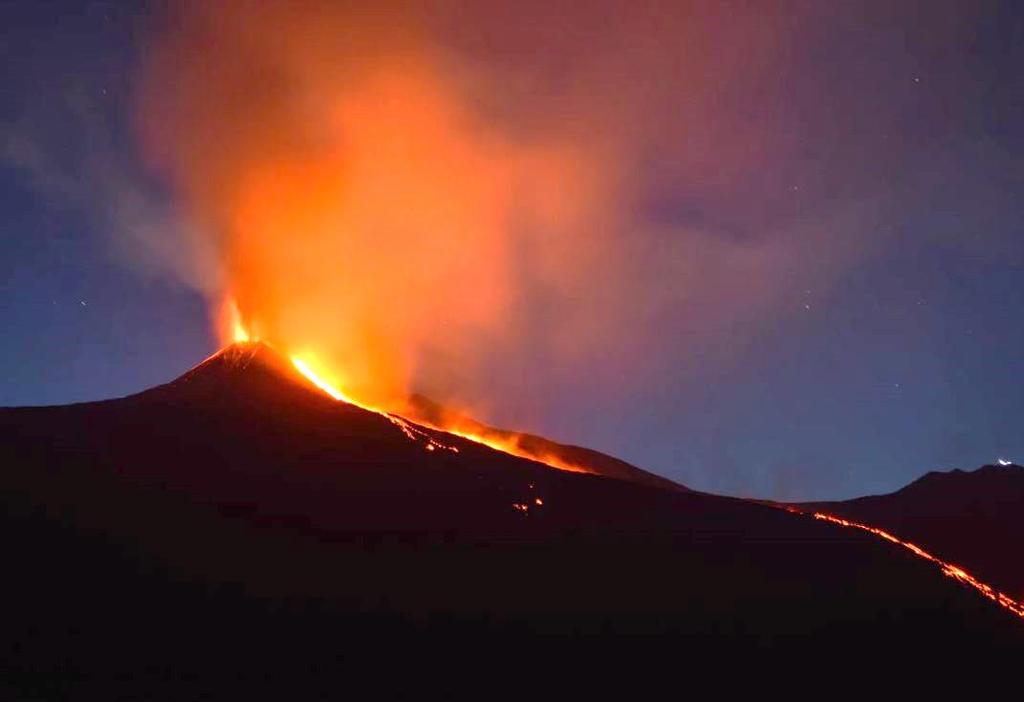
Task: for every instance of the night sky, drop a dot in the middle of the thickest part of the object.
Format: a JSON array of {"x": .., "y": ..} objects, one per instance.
[{"x": 853, "y": 311}]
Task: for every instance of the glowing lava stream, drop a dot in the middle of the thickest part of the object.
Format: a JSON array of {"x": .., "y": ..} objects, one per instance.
[
  {"x": 512, "y": 448},
  {"x": 408, "y": 428},
  {"x": 948, "y": 569},
  {"x": 320, "y": 383},
  {"x": 414, "y": 432},
  {"x": 234, "y": 328}
]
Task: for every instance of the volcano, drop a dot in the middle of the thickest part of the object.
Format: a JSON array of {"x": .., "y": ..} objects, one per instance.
[{"x": 239, "y": 523}]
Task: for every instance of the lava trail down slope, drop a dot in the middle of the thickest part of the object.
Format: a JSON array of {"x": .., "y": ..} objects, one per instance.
[{"x": 972, "y": 518}]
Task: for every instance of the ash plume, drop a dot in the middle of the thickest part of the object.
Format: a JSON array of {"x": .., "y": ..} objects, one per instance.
[{"x": 439, "y": 199}]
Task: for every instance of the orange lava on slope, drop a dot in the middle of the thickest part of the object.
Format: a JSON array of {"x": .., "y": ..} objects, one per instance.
[
  {"x": 511, "y": 446},
  {"x": 304, "y": 368},
  {"x": 233, "y": 329},
  {"x": 411, "y": 431},
  {"x": 948, "y": 569}
]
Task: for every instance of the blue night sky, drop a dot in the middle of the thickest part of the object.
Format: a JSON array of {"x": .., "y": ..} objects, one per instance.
[{"x": 889, "y": 345}]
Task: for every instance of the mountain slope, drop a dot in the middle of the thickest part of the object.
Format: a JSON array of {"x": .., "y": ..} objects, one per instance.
[
  {"x": 424, "y": 410},
  {"x": 239, "y": 522},
  {"x": 972, "y": 518}
]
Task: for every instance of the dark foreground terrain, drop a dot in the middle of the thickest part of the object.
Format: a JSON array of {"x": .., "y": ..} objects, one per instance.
[{"x": 237, "y": 530}]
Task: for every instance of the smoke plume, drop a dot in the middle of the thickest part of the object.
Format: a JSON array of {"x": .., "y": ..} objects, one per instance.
[{"x": 414, "y": 200}]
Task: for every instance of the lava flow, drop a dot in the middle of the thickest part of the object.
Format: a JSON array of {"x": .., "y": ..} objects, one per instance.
[
  {"x": 234, "y": 329},
  {"x": 511, "y": 446},
  {"x": 413, "y": 432},
  {"x": 948, "y": 569},
  {"x": 504, "y": 444}
]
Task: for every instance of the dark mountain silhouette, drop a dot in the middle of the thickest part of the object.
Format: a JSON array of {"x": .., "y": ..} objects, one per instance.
[
  {"x": 974, "y": 519},
  {"x": 238, "y": 525}
]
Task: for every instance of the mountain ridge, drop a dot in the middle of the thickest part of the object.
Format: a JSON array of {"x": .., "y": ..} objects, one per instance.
[
  {"x": 970, "y": 517},
  {"x": 229, "y": 523},
  {"x": 260, "y": 359}
]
